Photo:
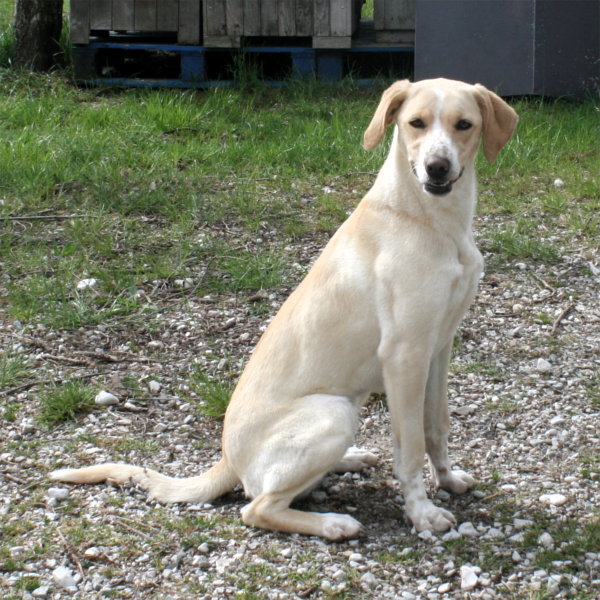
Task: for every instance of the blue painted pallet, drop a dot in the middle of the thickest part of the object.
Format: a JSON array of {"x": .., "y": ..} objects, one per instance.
[{"x": 100, "y": 62}]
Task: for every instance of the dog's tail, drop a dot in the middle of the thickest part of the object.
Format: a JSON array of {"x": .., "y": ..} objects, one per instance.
[{"x": 206, "y": 487}]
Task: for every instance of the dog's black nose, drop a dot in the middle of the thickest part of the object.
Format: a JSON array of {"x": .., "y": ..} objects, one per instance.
[{"x": 437, "y": 168}]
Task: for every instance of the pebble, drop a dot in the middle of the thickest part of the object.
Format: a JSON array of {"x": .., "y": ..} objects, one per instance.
[
  {"x": 41, "y": 592},
  {"x": 519, "y": 524},
  {"x": 57, "y": 494},
  {"x": 543, "y": 366},
  {"x": 545, "y": 540},
  {"x": 444, "y": 588},
  {"x": 369, "y": 580},
  {"x": 467, "y": 529},
  {"x": 63, "y": 577},
  {"x": 154, "y": 387},
  {"x": 104, "y": 398},
  {"x": 553, "y": 499},
  {"x": 92, "y": 552},
  {"x": 451, "y": 535},
  {"x": 558, "y": 182},
  {"x": 468, "y": 578},
  {"x": 86, "y": 284},
  {"x": 426, "y": 535}
]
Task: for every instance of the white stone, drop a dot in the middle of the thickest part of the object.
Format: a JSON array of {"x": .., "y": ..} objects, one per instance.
[
  {"x": 104, "y": 398},
  {"x": 493, "y": 533},
  {"x": 92, "y": 552},
  {"x": 154, "y": 387},
  {"x": 86, "y": 284},
  {"x": 63, "y": 577},
  {"x": 558, "y": 182},
  {"x": 543, "y": 366},
  {"x": 468, "y": 578},
  {"x": 369, "y": 580},
  {"x": 545, "y": 539},
  {"x": 41, "y": 592},
  {"x": 553, "y": 499},
  {"x": 451, "y": 535},
  {"x": 467, "y": 529},
  {"x": 522, "y": 523},
  {"x": 444, "y": 588},
  {"x": 356, "y": 557},
  {"x": 58, "y": 494},
  {"x": 426, "y": 535},
  {"x": 286, "y": 552}
]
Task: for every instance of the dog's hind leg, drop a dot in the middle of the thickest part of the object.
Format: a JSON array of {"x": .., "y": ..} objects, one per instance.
[
  {"x": 355, "y": 460},
  {"x": 301, "y": 449}
]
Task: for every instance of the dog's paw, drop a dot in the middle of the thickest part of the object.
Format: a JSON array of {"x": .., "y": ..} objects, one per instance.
[
  {"x": 457, "y": 482},
  {"x": 355, "y": 460},
  {"x": 338, "y": 527},
  {"x": 432, "y": 517}
]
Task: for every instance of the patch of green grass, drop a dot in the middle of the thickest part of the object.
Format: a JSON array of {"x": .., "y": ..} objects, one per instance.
[
  {"x": 522, "y": 240},
  {"x": 13, "y": 370},
  {"x": 572, "y": 539},
  {"x": 64, "y": 401},
  {"x": 486, "y": 368},
  {"x": 214, "y": 393}
]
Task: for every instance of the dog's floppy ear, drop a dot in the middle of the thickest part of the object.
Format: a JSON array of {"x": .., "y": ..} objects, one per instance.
[
  {"x": 389, "y": 104},
  {"x": 499, "y": 121}
]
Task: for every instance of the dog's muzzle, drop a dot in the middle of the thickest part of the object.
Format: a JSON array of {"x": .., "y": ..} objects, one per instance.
[{"x": 436, "y": 183}]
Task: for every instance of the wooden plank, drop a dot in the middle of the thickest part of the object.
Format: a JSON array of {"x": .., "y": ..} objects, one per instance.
[
  {"x": 234, "y": 18},
  {"x": 189, "y": 22},
  {"x": 214, "y": 21},
  {"x": 252, "y": 17},
  {"x": 304, "y": 17},
  {"x": 122, "y": 15},
  {"x": 341, "y": 18},
  {"x": 80, "y": 21},
  {"x": 145, "y": 15},
  {"x": 101, "y": 14},
  {"x": 287, "y": 18},
  {"x": 167, "y": 15},
  {"x": 268, "y": 17},
  {"x": 379, "y": 13},
  {"x": 337, "y": 41},
  {"x": 321, "y": 18}
]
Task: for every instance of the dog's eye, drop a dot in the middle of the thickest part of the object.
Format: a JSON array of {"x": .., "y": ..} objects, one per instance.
[
  {"x": 463, "y": 125},
  {"x": 417, "y": 123}
]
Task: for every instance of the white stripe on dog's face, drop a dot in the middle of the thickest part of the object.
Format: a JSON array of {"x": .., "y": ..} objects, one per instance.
[
  {"x": 440, "y": 129},
  {"x": 437, "y": 143}
]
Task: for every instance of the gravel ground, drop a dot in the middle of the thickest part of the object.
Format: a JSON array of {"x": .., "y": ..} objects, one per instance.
[{"x": 525, "y": 421}]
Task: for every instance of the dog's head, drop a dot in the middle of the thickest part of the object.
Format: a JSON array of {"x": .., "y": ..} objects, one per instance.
[{"x": 441, "y": 123}]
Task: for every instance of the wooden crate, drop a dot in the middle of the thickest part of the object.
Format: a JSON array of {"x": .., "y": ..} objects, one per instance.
[
  {"x": 327, "y": 23},
  {"x": 394, "y": 21},
  {"x": 168, "y": 16}
]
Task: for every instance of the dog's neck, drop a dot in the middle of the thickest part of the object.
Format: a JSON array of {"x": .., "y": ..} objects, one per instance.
[{"x": 398, "y": 187}]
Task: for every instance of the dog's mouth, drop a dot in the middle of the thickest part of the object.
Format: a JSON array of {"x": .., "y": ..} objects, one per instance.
[{"x": 437, "y": 188}]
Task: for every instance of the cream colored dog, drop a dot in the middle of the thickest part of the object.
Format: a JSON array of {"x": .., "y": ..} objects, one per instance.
[{"x": 377, "y": 312}]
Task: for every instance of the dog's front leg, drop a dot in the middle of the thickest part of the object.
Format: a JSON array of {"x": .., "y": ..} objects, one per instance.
[
  {"x": 405, "y": 373},
  {"x": 437, "y": 425}
]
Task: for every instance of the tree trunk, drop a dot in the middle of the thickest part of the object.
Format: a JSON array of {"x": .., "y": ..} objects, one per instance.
[{"x": 38, "y": 24}]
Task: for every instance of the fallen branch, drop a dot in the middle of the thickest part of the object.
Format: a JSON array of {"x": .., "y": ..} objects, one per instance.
[
  {"x": 560, "y": 317},
  {"x": 70, "y": 552}
]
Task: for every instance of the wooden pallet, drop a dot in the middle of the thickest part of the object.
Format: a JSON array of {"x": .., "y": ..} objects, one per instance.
[
  {"x": 182, "y": 18},
  {"x": 318, "y": 23},
  {"x": 126, "y": 62}
]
